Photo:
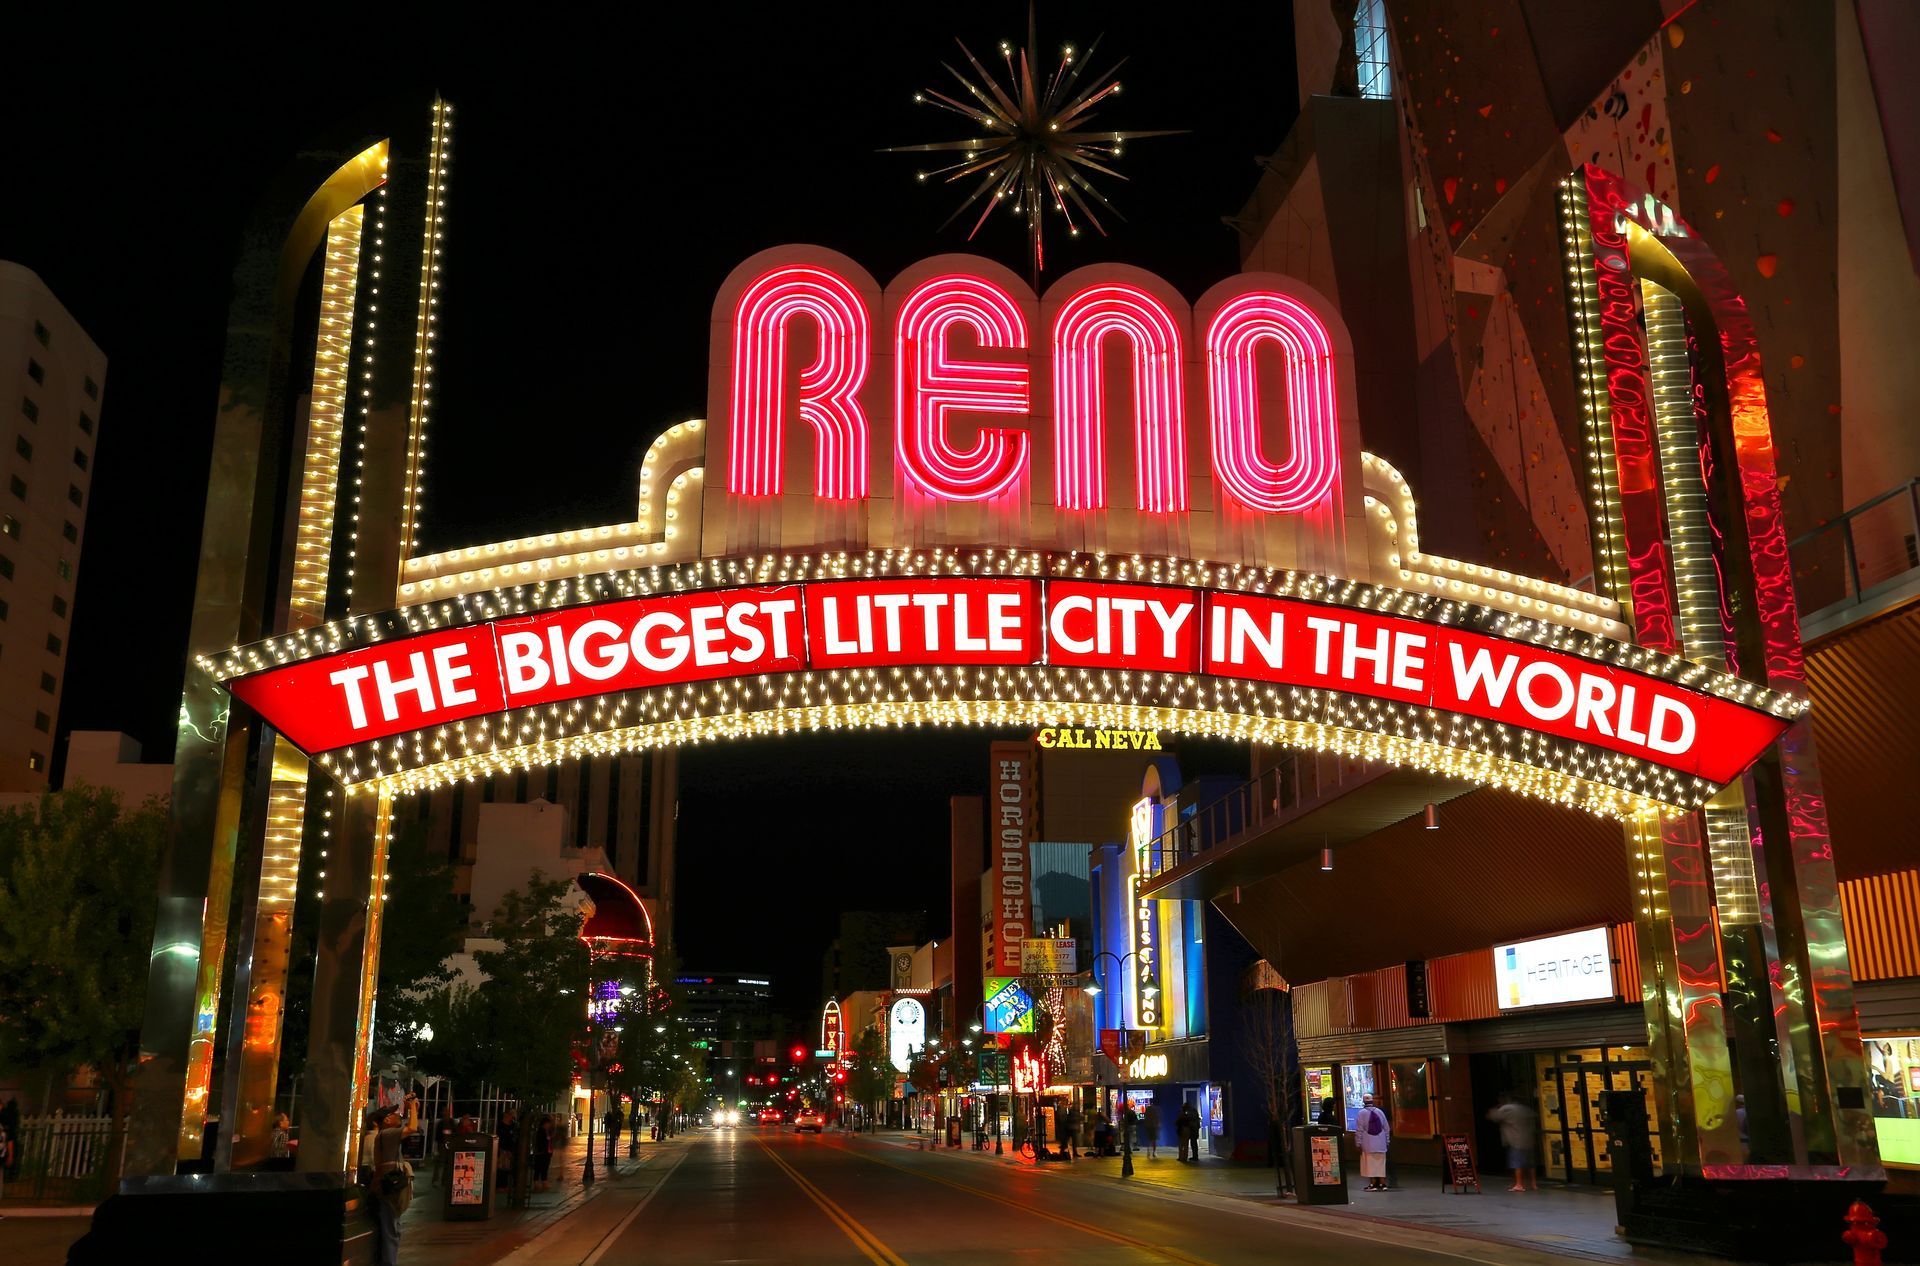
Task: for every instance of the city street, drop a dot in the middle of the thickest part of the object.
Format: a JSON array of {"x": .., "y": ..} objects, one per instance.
[{"x": 773, "y": 1196}]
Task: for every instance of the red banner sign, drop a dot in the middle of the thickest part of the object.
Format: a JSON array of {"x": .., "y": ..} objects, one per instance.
[{"x": 433, "y": 678}]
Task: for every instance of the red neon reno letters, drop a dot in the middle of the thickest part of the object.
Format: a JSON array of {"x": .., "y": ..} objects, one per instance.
[{"x": 942, "y": 393}]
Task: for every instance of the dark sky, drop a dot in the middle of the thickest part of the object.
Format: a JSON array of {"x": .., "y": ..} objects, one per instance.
[{"x": 604, "y": 181}]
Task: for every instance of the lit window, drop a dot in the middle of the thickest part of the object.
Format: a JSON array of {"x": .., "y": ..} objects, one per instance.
[
  {"x": 35, "y": 372},
  {"x": 1370, "y": 49},
  {"x": 36, "y": 761},
  {"x": 79, "y": 459},
  {"x": 64, "y": 567},
  {"x": 92, "y": 389},
  {"x": 10, "y": 525}
]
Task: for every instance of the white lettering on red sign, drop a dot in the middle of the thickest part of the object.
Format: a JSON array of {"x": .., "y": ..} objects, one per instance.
[{"x": 449, "y": 675}]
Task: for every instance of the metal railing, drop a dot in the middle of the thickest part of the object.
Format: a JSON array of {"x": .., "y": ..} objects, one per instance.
[
  {"x": 59, "y": 1156},
  {"x": 1295, "y": 782},
  {"x": 1856, "y": 552}
]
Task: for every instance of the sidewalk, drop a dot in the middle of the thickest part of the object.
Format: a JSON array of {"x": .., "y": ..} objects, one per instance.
[
  {"x": 1571, "y": 1220},
  {"x": 40, "y": 1237},
  {"x": 429, "y": 1240}
]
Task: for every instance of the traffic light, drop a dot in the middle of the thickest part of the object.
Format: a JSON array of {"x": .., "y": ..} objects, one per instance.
[{"x": 799, "y": 1054}]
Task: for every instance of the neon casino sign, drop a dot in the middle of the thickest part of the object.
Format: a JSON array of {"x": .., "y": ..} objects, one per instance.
[{"x": 950, "y": 501}]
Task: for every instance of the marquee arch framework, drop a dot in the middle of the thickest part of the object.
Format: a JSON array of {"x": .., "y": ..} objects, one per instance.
[{"x": 949, "y": 500}]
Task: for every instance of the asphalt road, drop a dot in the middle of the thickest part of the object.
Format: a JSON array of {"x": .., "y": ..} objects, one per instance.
[{"x": 743, "y": 1196}]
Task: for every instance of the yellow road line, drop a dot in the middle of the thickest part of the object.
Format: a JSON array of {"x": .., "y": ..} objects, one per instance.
[
  {"x": 1158, "y": 1250},
  {"x": 863, "y": 1239}
]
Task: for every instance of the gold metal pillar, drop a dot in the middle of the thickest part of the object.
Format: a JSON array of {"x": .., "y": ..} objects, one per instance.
[
  {"x": 260, "y": 974},
  {"x": 231, "y": 605},
  {"x": 339, "y": 1049}
]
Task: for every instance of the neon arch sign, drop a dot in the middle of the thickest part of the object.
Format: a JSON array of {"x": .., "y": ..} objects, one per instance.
[{"x": 953, "y": 502}]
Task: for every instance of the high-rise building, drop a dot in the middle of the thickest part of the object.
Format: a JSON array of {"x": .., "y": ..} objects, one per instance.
[{"x": 52, "y": 380}]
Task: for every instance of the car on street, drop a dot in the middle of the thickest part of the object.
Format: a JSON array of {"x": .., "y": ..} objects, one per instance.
[
  {"x": 725, "y": 1117},
  {"x": 771, "y": 1116},
  {"x": 808, "y": 1119}
]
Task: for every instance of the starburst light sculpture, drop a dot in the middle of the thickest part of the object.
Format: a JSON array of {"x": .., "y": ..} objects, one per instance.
[{"x": 1036, "y": 152}]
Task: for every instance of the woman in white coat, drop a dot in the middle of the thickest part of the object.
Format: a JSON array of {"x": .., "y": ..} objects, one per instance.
[{"x": 1372, "y": 1132}]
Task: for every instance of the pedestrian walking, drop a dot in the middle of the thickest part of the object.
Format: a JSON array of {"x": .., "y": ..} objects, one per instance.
[
  {"x": 1373, "y": 1134},
  {"x": 615, "y": 1120},
  {"x": 542, "y": 1145},
  {"x": 1188, "y": 1127},
  {"x": 1518, "y": 1129},
  {"x": 1074, "y": 1122},
  {"x": 280, "y": 1143},
  {"x": 1152, "y": 1127},
  {"x": 10, "y": 1125},
  {"x": 443, "y": 1132},
  {"x": 386, "y": 1176},
  {"x": 509, "y": 1151}
]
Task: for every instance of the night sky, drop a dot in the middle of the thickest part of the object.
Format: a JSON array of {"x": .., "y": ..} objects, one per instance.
[{"x": 604, "y": 181}]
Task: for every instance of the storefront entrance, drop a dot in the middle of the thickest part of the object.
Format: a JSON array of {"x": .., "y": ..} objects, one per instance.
[{"x": 1567, "y": 1091}]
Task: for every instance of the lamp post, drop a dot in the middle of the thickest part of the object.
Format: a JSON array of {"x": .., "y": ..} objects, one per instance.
[
  {"x": 593, "y": 1058},
  {"x": 1120, "y": 1065},
  {"x": 979, "y": 1026}
]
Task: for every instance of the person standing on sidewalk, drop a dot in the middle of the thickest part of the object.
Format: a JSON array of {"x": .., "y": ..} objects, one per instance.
[
  {"x": 1074, "y": 1121},
  {"x": 1517, "y": 1124},
  {"x": 615, "y": 1120},
  {"x": 443, "y": 1131},
  {"x": 1188, "y": 1127},
  {"x": 542, "y": 1159},
  {"x": 1373, "y": 1135},
  {"x": 509, "y": 1151}
]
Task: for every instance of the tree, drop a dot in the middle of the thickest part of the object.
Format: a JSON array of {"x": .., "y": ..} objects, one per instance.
[
  {"x": 869, "y": 1074},
  {"x": 79, "y": 883},
  {"x": 520, "y": 1028},
  {"x": 1267, "y": 1043},
  {"x": 425, "y": 926}
]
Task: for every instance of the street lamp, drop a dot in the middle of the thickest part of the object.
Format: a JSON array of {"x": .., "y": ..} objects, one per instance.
[{"x": 1120, "y": 1065}]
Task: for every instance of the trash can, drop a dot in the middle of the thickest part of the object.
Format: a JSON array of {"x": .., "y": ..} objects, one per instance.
[
  {"x": 1322, "y": 1178},
  {"x": 469, "y": 1194}
]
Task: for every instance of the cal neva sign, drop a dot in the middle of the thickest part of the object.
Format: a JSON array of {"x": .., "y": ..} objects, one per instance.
[{"x": 950, "y": 499}]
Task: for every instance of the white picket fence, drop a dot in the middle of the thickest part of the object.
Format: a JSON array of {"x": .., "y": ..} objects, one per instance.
[{"x": 57, "y": 1148}]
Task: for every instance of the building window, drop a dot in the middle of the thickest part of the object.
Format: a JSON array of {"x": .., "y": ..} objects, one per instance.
[
  {"x": 28, "y": 407},
  {"x": 47, "y": 683},
  {"x": 3, "y": 608},
  {"x": 59, "y": 607},
  {"x": 64, "y": 567},
  {"x": 18, "y": 485},
  {"x": 53, "y": 643},
  {"x": 79, "y": 459},
  {"x": 69, "y": 531},
  {"x": 86, "y": 424},
  {"x": 6, "y": 567},
  {"x": 92, "y": 388},
  {"x": 42, "y": 333},
  {"x": 73, "y": 493},
  {"x": 36, "y": 761},
  {"x": 1370, "y": 49},
  {"x": 23, "y": 446},
  {"x": 36, "y": 372},
  {"x": 10, "y": 525},
  {"x": 42, "y": 722}
]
